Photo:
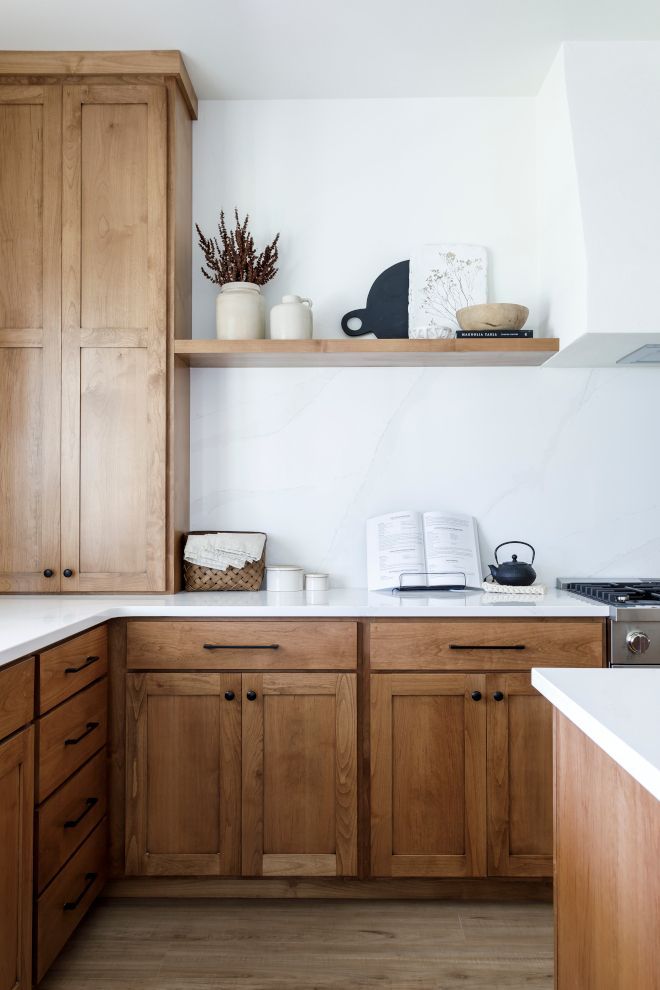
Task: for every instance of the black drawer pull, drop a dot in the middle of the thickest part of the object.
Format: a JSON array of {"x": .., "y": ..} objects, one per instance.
[
  {"x": 89, "y": 883},
  {"x": 89, "y": 804},
  {"x": 88, "y": 663},
  {"x": 457, "y": 646},
  {"x": 88, "y": 728},
  {"x": 215, "y": 646}
]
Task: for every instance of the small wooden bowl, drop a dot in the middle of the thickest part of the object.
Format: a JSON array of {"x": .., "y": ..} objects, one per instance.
[{"x": 492, "y": 316}]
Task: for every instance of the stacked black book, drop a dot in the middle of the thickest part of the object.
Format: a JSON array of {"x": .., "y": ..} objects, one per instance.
[{"x": 519, "y": 334}]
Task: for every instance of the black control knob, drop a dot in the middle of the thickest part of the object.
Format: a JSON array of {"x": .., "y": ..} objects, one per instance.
[
  {"x": 48, "y": 572},
  {"x": 476, "y": 695},
  {"x": 498, "y": 696},
  {"x": 229, "y": 695},
  {"x": 251, "y": 695},
  {"x": 67, "y": 572}
]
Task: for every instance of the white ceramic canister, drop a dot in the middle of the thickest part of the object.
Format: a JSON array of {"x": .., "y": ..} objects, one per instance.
[
  {"x": 292, "y": 319},
  {"x": 316, "y": 582},
  {"x": 284, "y": 577},
  {"x": 240, "y": 312}
]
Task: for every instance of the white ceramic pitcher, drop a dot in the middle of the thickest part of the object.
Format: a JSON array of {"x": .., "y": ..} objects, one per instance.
[{"x": 292, "y": 319}]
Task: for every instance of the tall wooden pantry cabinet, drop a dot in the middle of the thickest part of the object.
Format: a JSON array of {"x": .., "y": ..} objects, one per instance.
[{"x": 95, "y": 231}]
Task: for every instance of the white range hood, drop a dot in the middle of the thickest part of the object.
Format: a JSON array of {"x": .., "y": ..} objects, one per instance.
[{"x": 598, "y": 153}]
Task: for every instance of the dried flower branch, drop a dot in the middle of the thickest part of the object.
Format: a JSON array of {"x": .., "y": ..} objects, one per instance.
[{"x": 233, "y": 257}]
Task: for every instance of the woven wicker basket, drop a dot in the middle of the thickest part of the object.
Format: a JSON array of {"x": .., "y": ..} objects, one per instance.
[{"x": 247, "y": 578}]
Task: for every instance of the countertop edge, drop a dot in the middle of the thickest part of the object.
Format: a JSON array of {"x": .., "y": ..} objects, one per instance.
[{"x": 625, "y": 755}]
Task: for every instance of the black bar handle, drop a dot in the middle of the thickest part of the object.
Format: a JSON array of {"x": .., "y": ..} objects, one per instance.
[
  {"x": 88, "y": 728},
  {"x": 460, "y": 646},
  {"x": 216, "y": 646},
  {"x": 89, "y": 883},
  {"x": 88, "y": 663},
  {"x": 89, "y": 804}
]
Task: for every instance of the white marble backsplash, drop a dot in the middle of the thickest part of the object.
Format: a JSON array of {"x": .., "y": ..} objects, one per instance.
[{"x": 567, "y": 460}]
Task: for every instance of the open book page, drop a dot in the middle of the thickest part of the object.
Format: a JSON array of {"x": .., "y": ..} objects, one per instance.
[
  {"x": 395, "y": 544},
  {"x": 452, "y": 545}
]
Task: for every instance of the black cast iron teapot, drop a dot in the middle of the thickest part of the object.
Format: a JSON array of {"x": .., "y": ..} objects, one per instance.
[{"x": 513, "y": 571}]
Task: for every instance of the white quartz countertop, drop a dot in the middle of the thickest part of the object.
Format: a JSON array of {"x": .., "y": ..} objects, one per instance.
[
  {"x": 30, "y": 623},
  {"x": 618, "y": 709}
]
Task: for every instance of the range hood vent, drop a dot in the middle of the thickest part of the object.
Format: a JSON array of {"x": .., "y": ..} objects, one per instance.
[{"x": 648, "y": 354}]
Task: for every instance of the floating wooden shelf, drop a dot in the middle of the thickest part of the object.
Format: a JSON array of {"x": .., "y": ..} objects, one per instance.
[{"x": 473, "y": 353}]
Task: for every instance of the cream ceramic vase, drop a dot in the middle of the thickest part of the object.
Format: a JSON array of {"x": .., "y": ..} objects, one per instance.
[
  {"x": 291, "y": 319},
  {"x": 240, "y": 312}
]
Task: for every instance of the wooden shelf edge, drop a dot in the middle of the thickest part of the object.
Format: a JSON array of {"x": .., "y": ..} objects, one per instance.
[{"x": 365, "y": 353}]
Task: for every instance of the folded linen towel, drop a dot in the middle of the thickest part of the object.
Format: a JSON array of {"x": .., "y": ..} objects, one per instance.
[
  {"x": 223, "y": 550},
  {"x": 513, "y": 589}
]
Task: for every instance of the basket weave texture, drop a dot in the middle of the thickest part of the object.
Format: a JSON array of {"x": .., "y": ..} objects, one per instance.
[{"x": 247, "y": 578}]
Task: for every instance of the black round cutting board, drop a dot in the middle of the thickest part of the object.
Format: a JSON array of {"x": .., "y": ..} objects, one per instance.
[{"x": 386, "y": 312}]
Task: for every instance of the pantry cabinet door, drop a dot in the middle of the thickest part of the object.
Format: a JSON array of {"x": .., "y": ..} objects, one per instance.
[
  {"x": 428, "y": 775},
  {"x": 183, "y": 777},
  {"x": 299, "y": 775},
  {"x": 114, "y": 282},
  {"x": 16, "y": 812},
  {"x": 520, "y": 817},
  {"x": 30, "y": 317}
]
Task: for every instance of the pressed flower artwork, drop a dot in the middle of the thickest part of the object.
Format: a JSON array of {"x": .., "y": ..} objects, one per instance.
[{"x": 444, "y": 278}]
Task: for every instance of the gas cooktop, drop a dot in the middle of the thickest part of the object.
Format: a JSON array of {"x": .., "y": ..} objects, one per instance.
[{"x": 628, "y": 594}]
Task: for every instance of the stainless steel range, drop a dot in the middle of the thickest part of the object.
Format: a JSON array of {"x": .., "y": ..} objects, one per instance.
[{"x": 634, "y": 633}]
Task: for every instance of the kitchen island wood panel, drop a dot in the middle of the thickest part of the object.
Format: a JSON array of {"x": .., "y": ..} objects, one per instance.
[{"x": 607, "y": 870}]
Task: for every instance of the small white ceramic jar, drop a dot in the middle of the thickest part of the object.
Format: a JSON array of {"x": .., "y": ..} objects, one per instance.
[
  {"x": 240, "y": 312},
  {"x": 292, "y": 319},
  {"x": 316, "y": 582},
  {"x": 284, "y": 577}
]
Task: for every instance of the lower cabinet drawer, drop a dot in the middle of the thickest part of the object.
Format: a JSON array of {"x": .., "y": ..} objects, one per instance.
[
  {"x": 69, "y": 735},
  {"x": 68, "y": 816},
  {"x": 64, "y": 903}
]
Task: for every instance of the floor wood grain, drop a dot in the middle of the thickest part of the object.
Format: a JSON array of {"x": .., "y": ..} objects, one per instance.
[{"x": 304, "y": 945}]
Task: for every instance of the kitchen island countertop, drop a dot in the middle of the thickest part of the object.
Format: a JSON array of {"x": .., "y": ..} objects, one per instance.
[
  {"x": 29, "y": 623},
  {"x": 618, "y": 709}
]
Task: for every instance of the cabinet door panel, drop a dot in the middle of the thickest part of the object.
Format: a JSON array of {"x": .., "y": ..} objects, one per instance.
[
  {"x": 520, "y": 814},
  {"x": 114, "y": 247},
  {"x": 428, "y": 787},
  {"x": 30, "y": 320},
  {"x": 183, "y": 804},
  {"x": 299, "y": 775},
  {"x": 16, "y": 801}
]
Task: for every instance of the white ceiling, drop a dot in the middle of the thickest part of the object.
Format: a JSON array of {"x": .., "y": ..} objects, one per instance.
[{"x": 267, "y": 49}]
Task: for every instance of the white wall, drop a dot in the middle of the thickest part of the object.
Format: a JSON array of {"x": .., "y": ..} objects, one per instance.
[{"x": 545, "y": 456}]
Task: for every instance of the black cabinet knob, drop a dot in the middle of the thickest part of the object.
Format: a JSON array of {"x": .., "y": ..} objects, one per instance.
[
  {"x": 251, "y": 695},
  {"x": 498, "y": 696},
  {"x": 67, "y": 572},
  {"x": 48, "y": 572},
  {"x": 229, "y": 695},
  {"x": 476, "y": 695}
]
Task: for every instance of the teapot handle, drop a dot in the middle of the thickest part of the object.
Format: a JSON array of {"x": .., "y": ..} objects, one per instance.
[{"x": 520, "y": 543}]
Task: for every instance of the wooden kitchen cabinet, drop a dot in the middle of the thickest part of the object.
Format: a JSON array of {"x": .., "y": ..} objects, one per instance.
[
  {"x": 299, "y": 768},
  {"x": 183, "y": 782},
  {"x": 30, "y": 316},
  {"x": 222, "y": 783},
  {"x": 16, "y": 808},
  {"x": 519, "y": 795},
  {"x": 428, "y": 775},
  {"x": 114, "y": 335},
  {"x": 95, "y": 220}
]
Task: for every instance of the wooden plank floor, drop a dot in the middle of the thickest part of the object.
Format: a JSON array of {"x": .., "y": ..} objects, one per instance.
[{"x": 302, "y": 945}]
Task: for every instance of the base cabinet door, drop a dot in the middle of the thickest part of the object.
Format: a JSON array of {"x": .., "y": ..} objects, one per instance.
[
  {"x": 183, "y": 787},
  {"x": 428, "y": 775},
  {"x": 299, "y": 775},
  {"x": 16, "y": 804},
  {"x": 520, "y": 817}
]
